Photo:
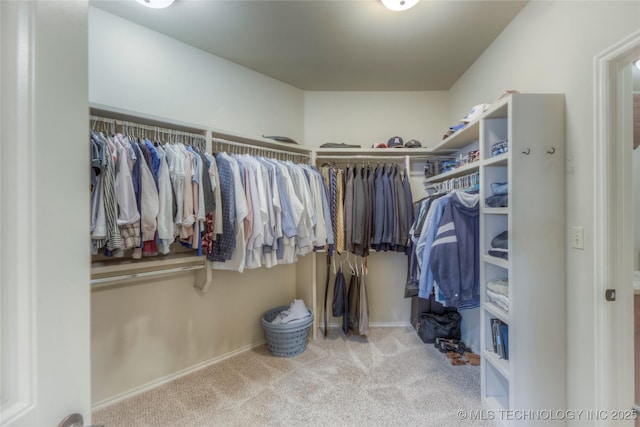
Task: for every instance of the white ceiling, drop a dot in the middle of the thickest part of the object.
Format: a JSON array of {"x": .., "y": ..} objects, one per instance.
[{"x": 325, "y": 45}]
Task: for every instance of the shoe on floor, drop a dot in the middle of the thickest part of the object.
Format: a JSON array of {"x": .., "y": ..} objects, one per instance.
[{"x": 474, "y": 359}]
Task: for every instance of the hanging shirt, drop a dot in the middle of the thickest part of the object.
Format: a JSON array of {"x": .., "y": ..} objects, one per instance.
[
  {"x": 149, "y": 203},
  {"x": 98, "y": 217},
  {"x": 358, "y": 213},
  {"x": 402, "y": 226},
  {"x": 113, "y": 237},
  {"x": 388, "y": 229},
  {"x": 225, "y": 244},
  {"x": 176, "y": 174},
  {"x": 294, "y": 210},
  {"x": 238, "y": 256},
  {"x": 270, "y": 257},
  {"x": 166, "y": 226},
  {"x": 218, "y": 224},
  {"x": 380, "y": 209},
  {"x": 304, "y": 229},
  {"x": 188, "y": 212}
]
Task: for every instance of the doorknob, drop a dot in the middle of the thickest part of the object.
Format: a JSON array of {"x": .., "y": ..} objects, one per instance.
[{"x": 74, "y": 420}]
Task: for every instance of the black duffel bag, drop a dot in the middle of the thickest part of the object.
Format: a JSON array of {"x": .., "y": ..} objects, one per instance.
[{"x": 446, "y": 325}]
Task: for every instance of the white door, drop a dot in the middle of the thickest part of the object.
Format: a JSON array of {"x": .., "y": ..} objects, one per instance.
[
  {"x": 614, "y": 237},
  {"x": 44, "y": 209}
]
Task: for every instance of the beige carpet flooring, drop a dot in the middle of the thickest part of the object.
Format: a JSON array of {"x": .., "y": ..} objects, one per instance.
[{"x": 389, "y": 379}]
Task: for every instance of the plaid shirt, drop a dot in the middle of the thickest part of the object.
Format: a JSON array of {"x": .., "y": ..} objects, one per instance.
[{"x": 224, "y": 245}]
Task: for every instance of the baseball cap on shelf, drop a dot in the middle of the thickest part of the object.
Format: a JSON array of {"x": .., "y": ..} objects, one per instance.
[
  {"x": 395, "y": 142},
  {"x": 453, "y": 129},
  {"x": 475, "y": 113},
  {"x": 379, "y": 145},
  {"x": 412, "y": 143}
]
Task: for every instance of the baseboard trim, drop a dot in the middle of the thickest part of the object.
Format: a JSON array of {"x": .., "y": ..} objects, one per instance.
[
  {"x": 372, "y": 325},
  {"x": 168, "y": 378}
]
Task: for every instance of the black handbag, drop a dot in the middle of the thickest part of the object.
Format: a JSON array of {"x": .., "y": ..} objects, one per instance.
[{"x": 446, "y": 325}]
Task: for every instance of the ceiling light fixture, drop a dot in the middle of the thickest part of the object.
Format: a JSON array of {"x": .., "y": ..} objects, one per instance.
[
  {"x": 156, "y": 4},
  {"x": 399, "y": 5},
  {"x": 637, "y": 64}
]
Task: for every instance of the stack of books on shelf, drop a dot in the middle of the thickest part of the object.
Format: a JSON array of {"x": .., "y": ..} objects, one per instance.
[{"x": 500, "y": 335}]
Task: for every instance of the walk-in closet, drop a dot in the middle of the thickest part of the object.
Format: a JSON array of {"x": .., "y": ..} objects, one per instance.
[{"x": 440, "y": 194}]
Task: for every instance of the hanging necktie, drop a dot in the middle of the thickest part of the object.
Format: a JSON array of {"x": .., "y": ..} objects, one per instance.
[{"x": 340, "y": 212}]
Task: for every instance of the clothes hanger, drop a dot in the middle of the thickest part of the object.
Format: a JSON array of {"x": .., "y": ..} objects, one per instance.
[{"x": 354, "y": 271}]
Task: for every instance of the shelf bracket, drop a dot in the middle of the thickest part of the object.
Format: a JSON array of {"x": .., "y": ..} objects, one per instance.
[{"x": 204, "y": 278}]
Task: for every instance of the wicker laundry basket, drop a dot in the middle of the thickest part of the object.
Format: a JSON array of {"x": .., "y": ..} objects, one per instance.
[{"x": 286, "y": 340}]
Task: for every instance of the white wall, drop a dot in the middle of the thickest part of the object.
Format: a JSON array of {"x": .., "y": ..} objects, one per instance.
[
  {"x": 364, "y": 118},
  {"x": 134, "y": 68},
  {"x": 549, "y": 47},
  {"x": 144, "y": 332}
]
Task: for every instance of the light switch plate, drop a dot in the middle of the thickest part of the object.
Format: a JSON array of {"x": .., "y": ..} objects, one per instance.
[{"x": 577, "y": 238}]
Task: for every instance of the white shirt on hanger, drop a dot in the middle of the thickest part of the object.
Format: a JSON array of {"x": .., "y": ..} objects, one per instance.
[
  {"x": 125, "y": 195},
  {"x": 166, "y": 226}
]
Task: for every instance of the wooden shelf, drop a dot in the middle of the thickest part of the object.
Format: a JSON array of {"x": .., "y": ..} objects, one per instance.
[
  {"x": 504, "y": 263},
  {"x": 462, "y": 170},
  {"x": 499, "y": 160},
  {"x": 536, "y": 268},
  {"x": 498, "y": 110},
  {"x": 496, "y": 311},
  {"x": 494, "y": 405},
  {"x": 375, "y": 152},
  {"x": 501, "y": 365},
  {"x": 463, "y": 137},
  {"x": 496, "y": 211}
]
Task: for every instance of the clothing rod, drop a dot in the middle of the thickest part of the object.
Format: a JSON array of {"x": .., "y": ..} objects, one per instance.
[
  {"x": 454, "y": 178},
  {"x": 150, "y": 128},
  {"x": 347, "y": 157},
  {"x": 215, "y": 141},
  {"x": 96, "y": 283}
]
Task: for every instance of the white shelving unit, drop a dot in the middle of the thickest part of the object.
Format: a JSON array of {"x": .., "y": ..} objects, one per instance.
[{"x": 533, "y": 166}]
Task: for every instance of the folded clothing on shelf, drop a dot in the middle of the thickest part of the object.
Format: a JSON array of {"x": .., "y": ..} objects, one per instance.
[
  {"x": 499, "y": 197},
  {"x": 500, "y": 201},
  {"x": 500, "y": 245},
  {"x": 498, "y": 299},
  {"x": 448, "y": 165},
  {"x": 499, "y": 188},
  {"x": 500, "y": 286},
  {"x": 499, "y": 147},
  {"x": 498, "y": 292}
]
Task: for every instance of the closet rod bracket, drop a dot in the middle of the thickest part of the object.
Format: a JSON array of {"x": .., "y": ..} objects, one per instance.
[{"x": 204, "y": 278}]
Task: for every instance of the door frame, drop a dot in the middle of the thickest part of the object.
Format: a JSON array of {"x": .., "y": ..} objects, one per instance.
[{"x": 613, "y": 214}]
